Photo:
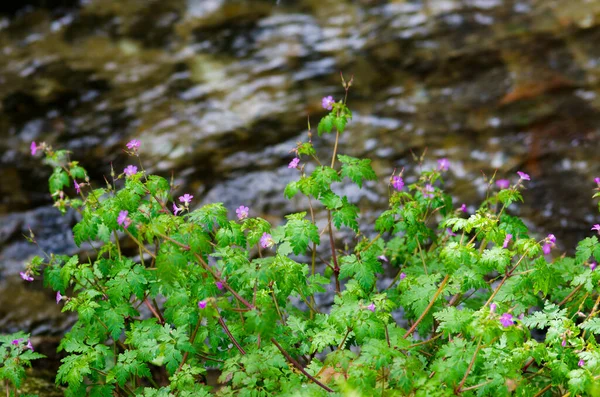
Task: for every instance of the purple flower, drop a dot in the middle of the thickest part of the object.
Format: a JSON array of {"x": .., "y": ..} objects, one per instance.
[
  {"x": 503, "y": 183},
  {"x": 383, "y": 258},
  {"x": 219, "y": 285},
  {"x": 186, "y": 198},
  {"x": 564, "y": 342},
  {"x": 507, "y": 320},
  {"x": 443, "y": 164},
  {"x": 428, "y": 192},
  {"x": 26, "y": 276},
  {"x": 327, "y": 102},
  {"x": 242, "y": 212},
  {"x": 266, "y": 240},
  {"x": 593, "y": 266},
  {"x": 493, "y": 307},
  {"x": 176, "y": 209},
  {"x": 77, "y": 187},
  {"x": 29, "y": 345},
  {"x": 294, "y": 163},
  {"x": 551, "y": 238},
  {"x": 16, "y": 341},
  {"x": 123, "y": 220},
  {"x": 402, "y": 276},
  {"x": 463, "y": 208},
  {"x": 547, "y": 248},
  {"x": 371, "y": 307},
  {"x": 202, "y": 304},
  {"x": 596, "y": 227},
  {"x": 33, "y": 148},
  {"x": 450, "y": 232},
  {"x": 130, "y": 170},
  {"x": 523, "y": 176},
  {"x": 597, "y": 180},
  {"x": 58, "y": 297},
  {"x": 397, "y": 182},
  {"x": 581, "y": 363},
  {"x": 507, "y": 240},
  {"x": 133, "y": 144}
]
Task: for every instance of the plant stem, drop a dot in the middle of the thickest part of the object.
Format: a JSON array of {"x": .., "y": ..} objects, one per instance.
[
  {"x": 506, "y": 276},
  {"x": 544, "y": 390},
  {"x": 429, "y": 306},
  {"x": 185, "y": 355},
  {"x": 336, "y": 267},
  {"x": 299, "y": 367},
  {"x": 235, "y": 342},
  {"x": 156, "y": 314},
  {"x": 464, "y": 379},
  {"x": 568, "y": 297}
]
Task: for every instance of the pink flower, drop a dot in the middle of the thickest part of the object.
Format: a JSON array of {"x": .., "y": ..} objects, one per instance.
[
  {"x": 294, "y": 163},
  {"x": 26, "y": 276},
  {"x": 443, "y": 164},
  {"x": 593, "y": 266},
  {"x": 507, "y": 320},
  {"x": 371, "y": 307},
  {"x": 219, "y": 285},
  {"x": 507, "y": 240},
  {"x": 564, "y": 342},
  {"x": 266, "y": 241},
  {"x": 186, "y": 198},
  {"x": 463, "y": 208},
  {"x": 202, "y": 304},
  {"x": 493, "y": 307},
  {"x": 450, "y": 232},
  {"x": 397, "y": 182},
  {"x": 16, "y": 341},
  {"x": 133, "y": 144},
  {"x": 176, "y": 209},
  {"x": 523, "y": 176},
  {"x": 581, "y": 363},
  {"x": 402, "y": 276},
  {"x": 596, "y": 227},
  {"x": 130, "y": 170},
  {"x": 242, "y": 212},
  {"x": 77, "y": 187},
  {"x": 428, "y": 191},
  {"x": 597, "y": 180},
  {"x": 58, "y": 297},
  {"x": 503, "y": 183},
  {"x": 33, "y": 148},
  {"x": 382, "y": 258},
  {"x": 327, "y": 102},
  {"x": 123, "y": 220},
  {"x": 547, "y": 248},
  {"x": 29, "y": 345}
]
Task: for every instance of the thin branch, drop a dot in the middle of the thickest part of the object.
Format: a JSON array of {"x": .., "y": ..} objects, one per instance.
[
  {"x": 431, "y": 303},
  {"x": 299, "y": 367}
]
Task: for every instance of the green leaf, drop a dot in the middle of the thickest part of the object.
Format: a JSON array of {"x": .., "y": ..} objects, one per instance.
[
  {"x": 299, "y": 232},
  {"x": 340, "y": 123},
  {"x": 58, "y": 180},
  {"x": 325, "y": 125},
  {"x": 357, "y": 170},
  {"x": 585, "y": 249},
  {"x": 347, "y": 215},
  {"x": 103, "y": 233},
  {"x": 330, "y": 200},
  {"x": 307, "y": 149},
  {"x": 324, "y": 176},
  {"x": 290, "y": 190}
]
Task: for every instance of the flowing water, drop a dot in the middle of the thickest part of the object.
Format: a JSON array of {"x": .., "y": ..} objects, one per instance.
[{"x": 219, "y": 91}]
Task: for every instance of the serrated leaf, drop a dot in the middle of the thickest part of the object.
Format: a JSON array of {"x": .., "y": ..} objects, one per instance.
[
  {"x": 347, "y": 215},
  {"x": 325, "y": 125},
  {"x": 357, "y": 170}
]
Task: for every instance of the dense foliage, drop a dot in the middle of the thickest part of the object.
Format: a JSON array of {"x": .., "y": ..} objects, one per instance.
[{"x": 204, "y": 289}]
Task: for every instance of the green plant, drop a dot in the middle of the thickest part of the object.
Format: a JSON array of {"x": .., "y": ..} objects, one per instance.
[
  {"x": 238, "y": 294},
  {"x": 16, "y": 353}
]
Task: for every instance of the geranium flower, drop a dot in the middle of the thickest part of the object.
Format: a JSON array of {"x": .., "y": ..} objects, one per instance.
[
  {"x": 58, "y": 297},
  {"x": 242, "y": 212},
  {"x": 123, "y": 220},
  {"x": 397, "y": 182},
  {"x": 186, "y": 198},
  {"x": 327, "y": 102},
  {"x": 294, "y": 163},
  {"x": 202, "y": 304},
  {"x": 503, "y": 183},
  {"x": 130, "y": 170},
  {"x": 523, "y": 176},
  {"x": 176, "y": 209},
  {"x": 133, "y": 144},
  {"x": 507, "y": 240},
  {"x": 443, "y": 164},
  {"x": 371, "y": 307},
  {"x": 33, "y": 148},
  {"x": 266, "y": 241},
  {"x": 428, "y": 192},
  {"x": 507, "y": 320},
  {"x": 463, "y": 208},
  {"x": 219, "y": 285},
  {"x": 26, "y": 276}
]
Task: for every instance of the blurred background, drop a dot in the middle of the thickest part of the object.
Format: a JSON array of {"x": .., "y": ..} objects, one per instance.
[{"x": 219, "y": 91}]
